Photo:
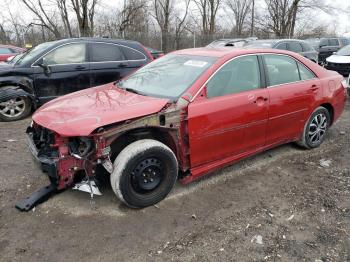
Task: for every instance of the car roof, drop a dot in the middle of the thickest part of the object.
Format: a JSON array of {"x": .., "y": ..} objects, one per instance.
[
  {"x": 222, "y": 52},
  {"x": 94, "y": 39}
]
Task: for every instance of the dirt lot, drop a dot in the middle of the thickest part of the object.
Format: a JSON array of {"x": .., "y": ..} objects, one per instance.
[{"x": 281, "y": 205}]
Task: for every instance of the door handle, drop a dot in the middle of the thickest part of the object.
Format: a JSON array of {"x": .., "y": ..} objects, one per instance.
[
  {"x": 79, "y": 67},
  {"x": 314, "y": 87},
  {"x": 260, "y": 99},
  {"x": 123, "y": 65}
]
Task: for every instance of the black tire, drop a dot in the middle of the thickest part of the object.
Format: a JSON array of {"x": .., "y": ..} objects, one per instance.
[
  {"x": 26, "y": 108},
  {"x": 144, "y": 173},
  {"x": 314, "y": 133}
]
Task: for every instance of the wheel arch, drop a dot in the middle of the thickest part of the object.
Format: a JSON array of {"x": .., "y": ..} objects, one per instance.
[
  {"x": 163, "y": 135},
  {"x": 330, "y": 109}
]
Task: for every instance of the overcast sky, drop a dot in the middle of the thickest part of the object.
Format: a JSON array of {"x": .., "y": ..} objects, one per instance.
[{"x": 340, "y": 22}]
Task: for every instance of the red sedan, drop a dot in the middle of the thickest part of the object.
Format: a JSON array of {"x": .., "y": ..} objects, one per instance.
[
  {"x": 7, "y": 51},
  {"x": 184, "y": 115}
]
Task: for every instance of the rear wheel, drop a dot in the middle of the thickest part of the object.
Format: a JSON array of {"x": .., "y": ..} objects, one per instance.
[
  {"x": 144, "y": 173},
  {"x": 15, "y": 109},
  {"x": 315, "y": 128}
]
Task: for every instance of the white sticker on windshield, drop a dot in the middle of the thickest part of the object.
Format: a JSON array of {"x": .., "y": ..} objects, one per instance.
[{"x": 195, "y": 63}]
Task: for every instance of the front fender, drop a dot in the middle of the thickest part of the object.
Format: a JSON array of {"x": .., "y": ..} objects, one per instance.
[
  {"x": 13, "y": 86},
  {"x": 9, "y": 92}
]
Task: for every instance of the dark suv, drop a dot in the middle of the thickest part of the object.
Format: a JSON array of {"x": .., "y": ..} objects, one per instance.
[
  {"x": 57, "y": 68},
  {"x": 294, "y": 45},
  {"x": 330, "y": 45}
]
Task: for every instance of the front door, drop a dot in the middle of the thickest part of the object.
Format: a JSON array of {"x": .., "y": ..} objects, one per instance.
[
  {"x": 67, "y": 70},
  {"x": 232, "y": 118}
]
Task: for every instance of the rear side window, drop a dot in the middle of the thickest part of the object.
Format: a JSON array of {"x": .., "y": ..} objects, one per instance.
[
  {"x": 282, "y": 46},
  {"x": 295, "y": 47},
  {"x": 344, "y": 41},
  {"x": 306, "y": 47},
  {"x": 4, "y": 50},
  {"x": 281, "y": 69},
  {"x": 333, "y": 42},
  {"x": 239, "y": 75},
  {"x": 132, "y": 54},
  {"x": 101, "y": 52},
  {"x": 305, "y": 73}
]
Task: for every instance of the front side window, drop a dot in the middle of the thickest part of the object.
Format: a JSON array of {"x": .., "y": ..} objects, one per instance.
[
  {"x": 324, "y": 42},
  {"x": 281, "y": 69},
  {"x": 295, "y": 47},
  {"x": 169, "y": 76},
  {"x": 105, "y": 53},
  {"x": 239, "y": 75},
  {"x": 67, "y": 54}
]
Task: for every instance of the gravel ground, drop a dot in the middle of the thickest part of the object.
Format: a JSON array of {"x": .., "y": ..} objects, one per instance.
[{"x": 281, "y": 205}]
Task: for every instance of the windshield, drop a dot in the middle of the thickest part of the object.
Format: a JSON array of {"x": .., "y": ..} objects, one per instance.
[
  {"x": 32, "y": 53},
  {"x": 345, "y": 51},
  {"x": 167, "y": 77},
  {"x": 15, "y": 59}
]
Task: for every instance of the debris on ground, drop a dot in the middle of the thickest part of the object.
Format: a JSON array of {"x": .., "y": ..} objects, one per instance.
[
  {"x": 290, "y": 218},
  {"x": 257, "y": 239},
  {"x": 325, "y": 163}
]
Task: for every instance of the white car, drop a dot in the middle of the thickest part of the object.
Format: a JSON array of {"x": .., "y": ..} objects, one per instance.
[{"x": 339, "y": 61}]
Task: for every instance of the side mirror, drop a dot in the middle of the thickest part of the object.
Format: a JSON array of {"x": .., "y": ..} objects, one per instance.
[{"x": 44, "y": 65}]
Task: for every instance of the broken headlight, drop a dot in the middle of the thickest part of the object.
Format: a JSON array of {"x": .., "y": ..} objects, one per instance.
[{"x": 81, "y": 146}]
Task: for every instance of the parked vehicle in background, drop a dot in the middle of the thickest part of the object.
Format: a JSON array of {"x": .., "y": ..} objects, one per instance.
[
  {"x": 330, "y": 45},
  {"x": 298, "y": 46},
  {"x": 7, "y": 51},
  {"x": 187, "y": 113},
  {"x": 314, "y": 42},
  {"x": 155, "y": 53},
  {"x": 237, "y": 42},
  {"x": 57, "y": 68},
  {"x": 339, "y": 61}
]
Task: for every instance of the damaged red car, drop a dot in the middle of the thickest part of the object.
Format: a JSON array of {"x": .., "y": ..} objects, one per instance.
[{"x": 182, "y": 116}]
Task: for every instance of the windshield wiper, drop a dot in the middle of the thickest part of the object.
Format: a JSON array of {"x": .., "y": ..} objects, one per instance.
[{"x": 131, "y": 90}]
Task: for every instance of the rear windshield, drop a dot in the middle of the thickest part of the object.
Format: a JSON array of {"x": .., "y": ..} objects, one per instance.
[{"x": 167, "y": 77}]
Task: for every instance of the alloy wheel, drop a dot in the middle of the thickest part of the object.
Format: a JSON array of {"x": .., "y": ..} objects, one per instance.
[
  {"x": 13, "y": 107},
  {"x": 318, "y": 128}
]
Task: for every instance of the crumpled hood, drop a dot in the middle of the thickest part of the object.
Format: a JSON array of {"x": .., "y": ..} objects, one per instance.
[
  {"x": 80, "y": 113},
  {"x": 338, "y": 59},
  {"x": 5, "y": 67}
]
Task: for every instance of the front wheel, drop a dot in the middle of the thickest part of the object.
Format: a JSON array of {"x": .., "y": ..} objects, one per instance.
[
  {"x": 15, "y": 109},
  {"x": 144, "y": 173},
  {"x": 315, "y": 128}
]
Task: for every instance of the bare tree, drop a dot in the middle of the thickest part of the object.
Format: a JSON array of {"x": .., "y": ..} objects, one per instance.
[
  {"x": 180, "y": 23},
  {"x": 62, "y": 6},
  {"x": 85, "y": 12},
  {"x": 240, "y": 10},
  {"x": 130, "y": 13},
  {"x": 208, "y": 10},
  {"x": 282, "y": 14},
  {"x": 44, "y": 19},
  {"x": 163, "y": 10}
]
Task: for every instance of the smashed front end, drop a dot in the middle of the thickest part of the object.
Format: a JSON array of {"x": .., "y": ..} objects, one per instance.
[{"x": 65, "y": 160}]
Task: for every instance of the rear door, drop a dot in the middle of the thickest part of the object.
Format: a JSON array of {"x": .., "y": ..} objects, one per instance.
[
  {"x": 232, "y": 117},
  {"x": 293, "y": 90},
  {"x": 108, "y": 63},
  {"x": 69, "y": 71}
]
